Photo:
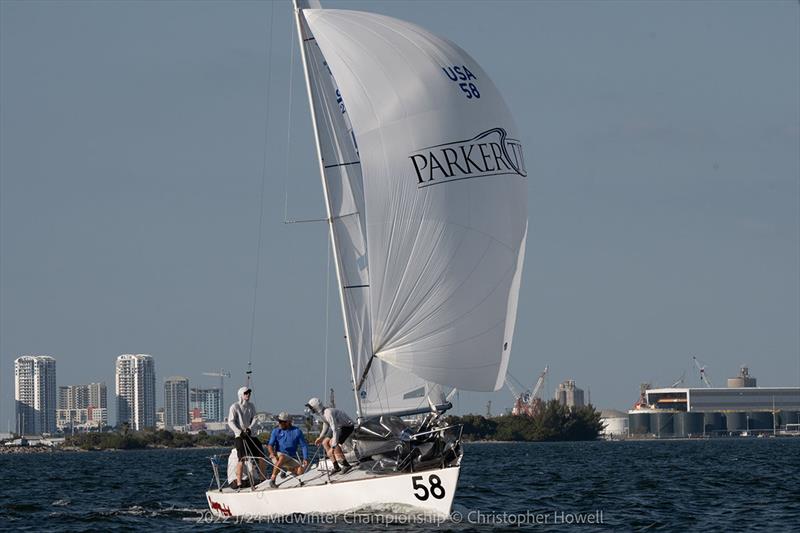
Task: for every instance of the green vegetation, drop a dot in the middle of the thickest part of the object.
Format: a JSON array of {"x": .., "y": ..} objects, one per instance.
[
  {"x": 555, "y": 422},
  {"x": 136, "y": 440}
]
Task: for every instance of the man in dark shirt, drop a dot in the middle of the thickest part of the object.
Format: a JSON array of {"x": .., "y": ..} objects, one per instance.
[{"x": 282, "y": 447}]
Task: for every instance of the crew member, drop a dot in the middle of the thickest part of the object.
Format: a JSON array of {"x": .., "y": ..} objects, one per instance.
[
  {"x": 282, "y": 448},
  {"x": 240, "y": 419},
  {"x": 339, "y": 425}
]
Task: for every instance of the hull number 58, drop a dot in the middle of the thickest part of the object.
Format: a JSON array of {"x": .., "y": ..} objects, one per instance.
[{"x": 422, "y": 492}]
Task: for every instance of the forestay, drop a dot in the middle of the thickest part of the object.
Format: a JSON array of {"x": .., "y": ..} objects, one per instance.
[{"x": 426, "y": 187}]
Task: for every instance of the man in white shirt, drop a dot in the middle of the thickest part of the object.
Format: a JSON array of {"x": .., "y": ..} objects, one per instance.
[
  {"x": 340, "y": 426},
  {"x": 240, "y": 419}
]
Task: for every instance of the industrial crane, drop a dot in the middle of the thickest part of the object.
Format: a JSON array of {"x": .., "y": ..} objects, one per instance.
[
  {"x": 527, "y": 403},
  {"x": 523, "y": 396},
  {"x": 679, "y": 381},
  {"x": 535, "y": 401},
  {"x": 520, "y": 398},
  {"x": 221, "y": 375},
  {"x": 703, "y": 375}
]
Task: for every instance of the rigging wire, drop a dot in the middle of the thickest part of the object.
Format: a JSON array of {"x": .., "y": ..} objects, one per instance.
[
  {"x": 261, "y": 200},
  {"x": 288, "y": 126},
  {"x": 327, "y": 311}
]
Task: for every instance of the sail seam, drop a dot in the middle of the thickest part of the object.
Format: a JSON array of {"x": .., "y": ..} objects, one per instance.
[{"x": 343, "y": 164}]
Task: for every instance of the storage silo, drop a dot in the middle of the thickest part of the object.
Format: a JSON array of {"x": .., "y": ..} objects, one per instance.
[
  {"x": 744, "y": 379},
  {"x": 662, "y": 423},
  {"x": 688, "y": 424},
  {"x": 735, "y": 421},
  {"x": 714, "y": 422},
  {"x": 759, "y": 420},
  {"x": 615, "y": 423},
  {"x": 639, "y": 423},
  {"x": 789, "y": 417}
]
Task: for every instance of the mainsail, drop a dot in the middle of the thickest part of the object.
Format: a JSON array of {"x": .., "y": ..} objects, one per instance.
[{"x": 425, "y": 185}]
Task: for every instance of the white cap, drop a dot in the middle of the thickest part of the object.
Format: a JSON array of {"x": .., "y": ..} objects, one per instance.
[{"x": 315, "y": 404}]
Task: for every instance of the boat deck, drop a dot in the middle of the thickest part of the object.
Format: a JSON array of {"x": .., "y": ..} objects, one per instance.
[{"x": 316, "y": 475}]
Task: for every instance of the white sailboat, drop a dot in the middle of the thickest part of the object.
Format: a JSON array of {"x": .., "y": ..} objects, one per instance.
[{"x": 426, "y": 193}]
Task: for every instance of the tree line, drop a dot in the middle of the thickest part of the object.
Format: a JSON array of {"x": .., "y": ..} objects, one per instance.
[
  {"x": 125, "y": 439},
  {"x": 554, "y": 422}
]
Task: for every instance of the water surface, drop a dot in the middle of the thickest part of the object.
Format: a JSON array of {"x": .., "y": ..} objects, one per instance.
[{"x": 730, "y": 484}]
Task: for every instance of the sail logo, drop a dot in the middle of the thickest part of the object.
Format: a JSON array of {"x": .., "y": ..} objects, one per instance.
[{"x": 490, "y": 153}]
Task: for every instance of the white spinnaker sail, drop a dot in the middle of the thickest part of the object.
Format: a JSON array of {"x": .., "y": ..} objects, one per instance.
[{"x": 441, "y": 201}]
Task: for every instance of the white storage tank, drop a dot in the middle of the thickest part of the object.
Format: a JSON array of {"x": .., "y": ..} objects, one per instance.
[{"x": 615, "y": 422}]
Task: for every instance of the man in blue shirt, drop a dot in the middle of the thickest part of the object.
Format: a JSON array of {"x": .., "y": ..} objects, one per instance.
[{"x": 282, "y": 447}]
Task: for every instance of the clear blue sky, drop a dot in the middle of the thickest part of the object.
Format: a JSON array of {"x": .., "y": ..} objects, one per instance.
[{"x": 662, "y": 146}]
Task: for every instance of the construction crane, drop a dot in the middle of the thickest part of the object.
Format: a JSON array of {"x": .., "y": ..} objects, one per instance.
[
  {"x": 703, "y": 375},
  {"x": 520, "y": 398},
  {"x": 534, "y": 403},
  {"x": 513, "y": 388},
  {"x": 221, "y": 375},
  {"x": 527, "y": 403},
  {"x": 679, "y": 381}
]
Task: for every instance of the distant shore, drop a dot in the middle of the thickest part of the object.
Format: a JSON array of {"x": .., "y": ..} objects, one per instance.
[{"x": 25, "y": 450}]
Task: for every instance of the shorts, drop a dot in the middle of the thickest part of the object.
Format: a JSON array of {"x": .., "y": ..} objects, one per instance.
[
  {"x": 344, "y": 433},
  {"x": 289, "y": 462},
  {"x": 248, "y": 446}
]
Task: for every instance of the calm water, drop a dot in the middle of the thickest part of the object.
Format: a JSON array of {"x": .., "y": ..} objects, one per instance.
[{"x": 718, "y": 485}]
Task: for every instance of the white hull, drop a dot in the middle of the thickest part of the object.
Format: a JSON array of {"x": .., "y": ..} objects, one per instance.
[{"x": 430, "y": 492}]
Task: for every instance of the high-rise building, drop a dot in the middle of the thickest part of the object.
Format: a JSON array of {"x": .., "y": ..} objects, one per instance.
[
  {"x": 209, "y": 401},
  {"x": 176, "y": 402},
  {"x": 82, "y": 406},
  {"x": 136, "y": 391},
  {"x": 35, "y": 394},
  {"x": 570, "y": 395},
  {"x": 82, "y": 396}
]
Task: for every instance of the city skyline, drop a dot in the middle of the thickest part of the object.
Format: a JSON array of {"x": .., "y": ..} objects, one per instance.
[
  {"x": 205, "y": 398},
  {"x": 85, "y": 405}
]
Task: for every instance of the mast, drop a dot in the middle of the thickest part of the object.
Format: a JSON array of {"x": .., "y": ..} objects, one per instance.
[{"x": 299, "y": 5}]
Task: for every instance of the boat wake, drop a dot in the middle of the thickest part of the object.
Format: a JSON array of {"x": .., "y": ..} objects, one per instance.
[{"x": 391, "y": 512}]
